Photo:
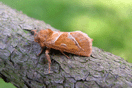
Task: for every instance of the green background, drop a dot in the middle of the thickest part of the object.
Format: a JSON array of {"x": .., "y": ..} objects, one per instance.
[{"x": 108, "y": 22}]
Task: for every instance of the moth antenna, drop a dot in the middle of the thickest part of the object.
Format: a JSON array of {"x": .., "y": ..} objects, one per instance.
[{"x": 29, "y": 30}]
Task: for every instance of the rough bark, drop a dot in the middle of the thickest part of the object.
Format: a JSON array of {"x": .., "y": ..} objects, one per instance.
[{"x": 20, "y": 65}]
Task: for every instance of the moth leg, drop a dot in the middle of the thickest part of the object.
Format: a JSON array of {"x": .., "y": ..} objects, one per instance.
[
  {"x": 48, "y": 57},
  {"x": 64, "y": 54},
  {"x": 42, "y": 48},
  {"x": 40, "y": 52}
]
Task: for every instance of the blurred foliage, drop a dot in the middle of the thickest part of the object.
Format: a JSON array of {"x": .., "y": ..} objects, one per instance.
[
  {"x": 6, "y": 85},
  {"x": 108, "y": 22}
]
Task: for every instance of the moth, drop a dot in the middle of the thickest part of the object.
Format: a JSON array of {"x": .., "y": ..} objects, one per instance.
[{"x": 76, "y": 42}]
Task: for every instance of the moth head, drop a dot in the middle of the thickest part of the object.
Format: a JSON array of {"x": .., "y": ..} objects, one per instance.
[
  {"x": 36, "y": 38},
  {"x": 42, "y": 35}
]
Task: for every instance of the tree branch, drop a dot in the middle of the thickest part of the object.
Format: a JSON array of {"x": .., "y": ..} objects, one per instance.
[{"x": 20, "y": 65}]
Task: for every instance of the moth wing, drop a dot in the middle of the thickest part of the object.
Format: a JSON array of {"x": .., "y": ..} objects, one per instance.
[
  {"x": 72, "y": 42},
  {"x": 61, "y": 41},
  {"x": 84, "y": 41}
]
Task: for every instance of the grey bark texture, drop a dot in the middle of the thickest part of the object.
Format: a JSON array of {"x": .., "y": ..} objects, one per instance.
[{"x": 20, "y": 65}]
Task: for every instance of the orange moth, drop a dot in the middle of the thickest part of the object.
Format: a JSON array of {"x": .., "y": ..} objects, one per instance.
[{"x": 76, "y": 42}]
